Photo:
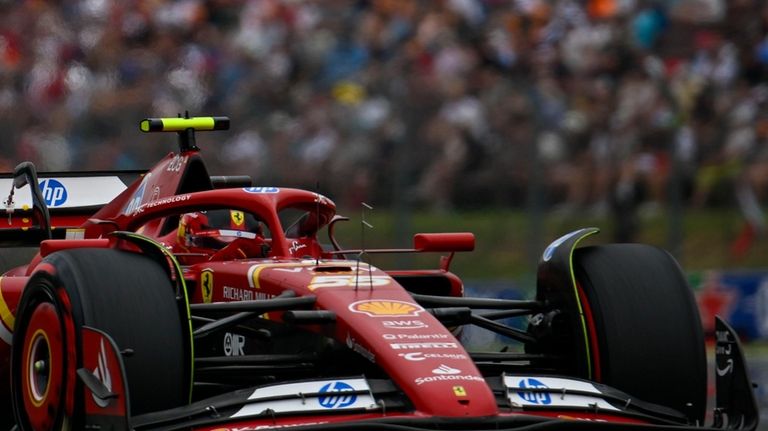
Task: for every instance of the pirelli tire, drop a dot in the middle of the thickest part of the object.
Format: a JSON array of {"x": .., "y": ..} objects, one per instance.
[
  {"x": 643, "y": 325},
  {"x": 126, "y": 295}
]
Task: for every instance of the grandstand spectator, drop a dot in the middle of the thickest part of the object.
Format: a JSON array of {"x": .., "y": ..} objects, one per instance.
[{"x": 463, "y": 101}]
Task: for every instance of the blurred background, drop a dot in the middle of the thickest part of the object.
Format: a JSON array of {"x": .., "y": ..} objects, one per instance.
[{"x": 518, "y": 120}]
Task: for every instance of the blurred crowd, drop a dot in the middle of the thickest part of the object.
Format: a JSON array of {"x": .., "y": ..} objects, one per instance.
[{"x": 590, "y": 105}]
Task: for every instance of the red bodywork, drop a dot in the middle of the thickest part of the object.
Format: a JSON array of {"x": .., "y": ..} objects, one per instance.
[{"x": 375, "y": 315}]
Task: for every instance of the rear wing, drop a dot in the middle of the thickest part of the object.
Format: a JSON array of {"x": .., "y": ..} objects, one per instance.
[
  {"x": 55, "y": 205},
  {"x": 65, "y": 201},
  {"x": 58, "y": 203},
  {"x": 70, "y": 192}
]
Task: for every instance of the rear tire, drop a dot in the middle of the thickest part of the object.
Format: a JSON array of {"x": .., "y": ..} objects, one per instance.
[
  {"x": 126, "y": 295},
  {"x": 644, "y": 324}
]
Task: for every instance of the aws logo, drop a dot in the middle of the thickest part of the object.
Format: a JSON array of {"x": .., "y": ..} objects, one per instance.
[{"x": 385, "y": 308}]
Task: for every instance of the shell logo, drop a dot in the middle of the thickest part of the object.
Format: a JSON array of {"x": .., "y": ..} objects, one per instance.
[{"x": 385, "y": 308}]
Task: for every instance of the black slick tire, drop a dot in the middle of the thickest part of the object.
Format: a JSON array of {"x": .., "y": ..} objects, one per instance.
[
  {"x": 643, "y": 321},
  {"x": 126, "y": 295}
]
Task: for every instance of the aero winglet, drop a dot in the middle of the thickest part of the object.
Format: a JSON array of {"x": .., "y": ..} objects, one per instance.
[
  {"x": 556, "y": 284},
  {"x": 735, "y": 405},
  {"x": 105, "y": 397}
]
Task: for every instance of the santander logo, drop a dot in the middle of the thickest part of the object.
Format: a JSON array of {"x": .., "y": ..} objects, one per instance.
[{"x": 445, "y": 370}]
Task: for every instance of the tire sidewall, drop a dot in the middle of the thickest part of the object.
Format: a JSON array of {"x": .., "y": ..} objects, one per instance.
[{"x": 44, "y": 288}]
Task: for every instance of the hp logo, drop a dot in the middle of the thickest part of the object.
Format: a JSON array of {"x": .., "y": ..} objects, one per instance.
[
  {"x": 334, "y": 395},
  {"x": 268, "y": 190},
  {"x": 534, "y": 397},
  {"x": 54, "y": 193}
]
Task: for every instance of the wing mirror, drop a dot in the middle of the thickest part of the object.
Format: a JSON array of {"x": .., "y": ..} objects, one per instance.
[{"x": 453, "y": 241}]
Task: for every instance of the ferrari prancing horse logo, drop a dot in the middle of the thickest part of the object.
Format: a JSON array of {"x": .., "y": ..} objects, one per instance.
[
  {"x": 237, "y": 218},
  {"x": 206, "y": 285}
]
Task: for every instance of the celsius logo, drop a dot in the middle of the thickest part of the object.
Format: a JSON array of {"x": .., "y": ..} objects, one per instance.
[
  {"x": 337, "y": 395},
  {"x": 54, "y": 193},
  {"x": 419, "y": 356},
  {"x": 530, "y": 395}
]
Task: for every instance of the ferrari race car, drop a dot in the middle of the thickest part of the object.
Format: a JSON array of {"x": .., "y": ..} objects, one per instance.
[{"x": 175, "y": 300}]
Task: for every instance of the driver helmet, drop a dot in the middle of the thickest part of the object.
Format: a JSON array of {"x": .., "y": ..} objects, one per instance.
[{"x": 212, "y": 229}]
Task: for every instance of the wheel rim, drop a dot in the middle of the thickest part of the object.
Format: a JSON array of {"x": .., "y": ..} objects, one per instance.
[
  {"x": 42, "y": 367},
  {"x": 39, "y": 367}
]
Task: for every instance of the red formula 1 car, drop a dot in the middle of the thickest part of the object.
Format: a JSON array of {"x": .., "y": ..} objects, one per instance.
[{"x": 182, "y": 301}]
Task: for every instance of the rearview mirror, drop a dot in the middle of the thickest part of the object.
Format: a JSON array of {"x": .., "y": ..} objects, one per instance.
[{"x": 453, "y": 241}]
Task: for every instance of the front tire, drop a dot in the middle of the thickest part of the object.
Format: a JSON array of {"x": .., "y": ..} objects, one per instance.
[
  {"x": 643, "y": 321},
  {"x": 126, "y": 295}
]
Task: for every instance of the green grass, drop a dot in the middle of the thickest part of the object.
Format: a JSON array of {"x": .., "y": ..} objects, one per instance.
[{"x": 507, "y": 246}]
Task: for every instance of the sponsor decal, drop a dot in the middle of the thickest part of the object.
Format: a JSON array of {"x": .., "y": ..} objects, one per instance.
[
  {"x": 54, "y": 193},
  {"x": 321, "y": 199},
  {"x": 574, "y": 418},
  {"x": 291, "y": 270},
  {"x": 68, "y": 192},
  {"x": 102, "y": 374},
  {"x": 233, "y": 344},
  {"x": 7, "y": 320},
  {"x": 337, "y": 395},
  {"x": 725, "y": 370},
  {"x": 459, "y": 391},
  {"x": 550, "y": 250},
  {"x": 262, "y": 189},
  {"x": 414, "y": 346},
  {"x": 722, "y": 337},
  {"x": 74, "y": 234},
  {"x": 164, "y": 201},
  {"x": 404, "y": 324},
  {"x": 445, "y": 370},
  {"x": 724, "y": 347},
  {"x": 448, "y": 377},
  {"x": 323, "y": 281},
  {"x": 138, "y": 196},
  {"x": 155, "y": 194},
  {"x": 421, "y": 356},
  {"x": 269, "y": 427},
  {"x": 537, "y": 398},
  {"x": 255, "y": 270},
  {"x": 385, "y": 308},
  {"x": 527, "y": 390},
  {"x": 295, "y": 246},
  {"x": 415, "y": 336},
  {"x": 237, "y": 233},
  {"x": 206, "y": 285},
  {"x": 238, "y": 218},
  {"x": 353, "y": 344},
  {"x": 176, "y": 163},
  {"x": 237, "y": 294},
  {"x": 309, "y": 396}
]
